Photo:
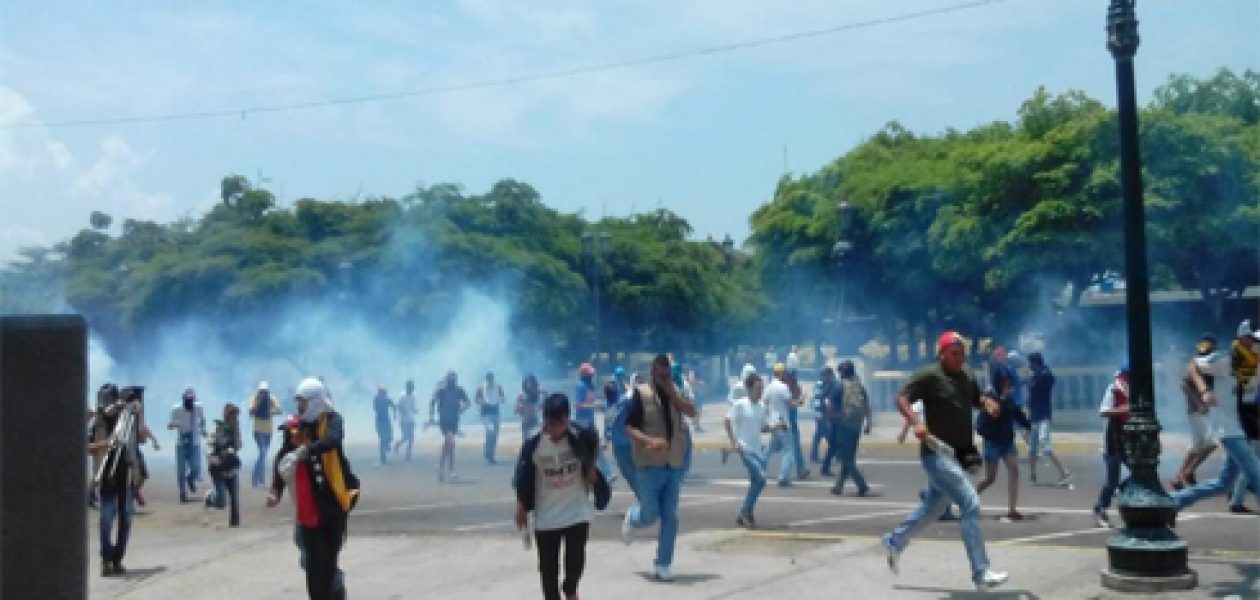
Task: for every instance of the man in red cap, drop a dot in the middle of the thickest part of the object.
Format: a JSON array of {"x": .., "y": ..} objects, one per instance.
[{"x": 948, "y": 392}]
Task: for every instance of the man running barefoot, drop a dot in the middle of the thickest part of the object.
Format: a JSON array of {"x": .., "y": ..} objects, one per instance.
[{"x": 948, "y": 392}]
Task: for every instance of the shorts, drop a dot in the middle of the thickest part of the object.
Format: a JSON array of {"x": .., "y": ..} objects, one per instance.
[
  {"x": 994, "y": 452},
  {"x": 1039, "y": 439},
  {"x": 448, "y": 426},
  {"x": 1199, "y": 437}
]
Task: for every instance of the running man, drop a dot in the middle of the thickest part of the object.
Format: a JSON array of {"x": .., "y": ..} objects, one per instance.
[
  {"x": 449, "y": 402},
  {"x": 1040, "y": 387}
]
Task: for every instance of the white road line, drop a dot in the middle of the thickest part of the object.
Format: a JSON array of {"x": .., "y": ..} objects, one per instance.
[
  {"x": 807, "y": 522},
  {"x": 485, "y": 526},
  {"x": 419, "y": 507},
  {"x": 769, "y": 483},
  {"x": 1063, "y": 534}
]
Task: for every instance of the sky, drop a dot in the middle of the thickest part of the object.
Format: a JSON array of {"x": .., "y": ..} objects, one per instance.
[{"x": 706, "y": 136}]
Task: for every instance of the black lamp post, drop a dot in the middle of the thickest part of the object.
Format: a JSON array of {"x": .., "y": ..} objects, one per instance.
[
  {"x": 728, "y": 254},
  {"x": 844, "y": 222},
  {"x": 1146, "y": 555},
  {"x": 593, "y": 248}
]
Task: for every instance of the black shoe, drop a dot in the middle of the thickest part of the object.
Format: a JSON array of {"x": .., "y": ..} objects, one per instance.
[
  {"x": 1241, "y": 510},
  {"x": 119, "y": 569},
  {"x": 826, "y": 473},
  {"x": 107, "y": 569}
]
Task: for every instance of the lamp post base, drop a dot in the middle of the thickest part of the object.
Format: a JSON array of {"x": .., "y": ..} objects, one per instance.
[{"x": 1149, "y": 585}]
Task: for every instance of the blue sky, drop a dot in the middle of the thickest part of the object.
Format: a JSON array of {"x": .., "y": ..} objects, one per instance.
[{"x": 704, "y": 137}]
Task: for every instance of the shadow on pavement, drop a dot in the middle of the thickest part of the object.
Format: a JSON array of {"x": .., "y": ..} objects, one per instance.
[
  {"x": 141, "y": 574},
  {"x": 1004, "y": 594},
  {"x": 684, "y": 579},
  {"x": 1246, "y": 587}
]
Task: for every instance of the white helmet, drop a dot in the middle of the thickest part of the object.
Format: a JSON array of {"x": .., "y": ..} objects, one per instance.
[{"x": 316, "y": 395}]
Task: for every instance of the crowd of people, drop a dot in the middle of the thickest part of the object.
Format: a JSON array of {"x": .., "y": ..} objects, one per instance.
[{"x": 562, "y": 475}]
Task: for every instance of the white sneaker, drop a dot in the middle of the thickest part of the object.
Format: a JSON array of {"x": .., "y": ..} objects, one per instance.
[
  {"x": 627, "y": 529},
  {"x": 894, "y": 556},
  {"x": 1101, "y": 520},
  {"x": 663, "y": 573},
  {"x": 990, "y": 580}
]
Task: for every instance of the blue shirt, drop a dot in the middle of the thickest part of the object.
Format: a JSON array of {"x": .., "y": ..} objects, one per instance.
[
  {"x": 616, "y": 428},
  {"x": 584, "y": 416},
  {"x": 1039, "y": 394}
]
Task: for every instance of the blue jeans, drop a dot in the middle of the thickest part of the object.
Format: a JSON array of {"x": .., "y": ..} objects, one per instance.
[
  {"x": 846, "y": 448},
  {"x": 1241, "y": 486},
  {"x": 755, "y": 462},
  {"x": 115, "y": 505},
  {"x": 260, "y": 466},
  {"x": 781, "y": 441},
  {"x": 947, "y": 483},
  {"x": 659, "y": 489},
  {"x": 624, "y": 456},
  {"x": 491, "y": 423},
  {"x": 384, "y": 438},
  {"x": 795, "y": 426},
  {"x": 1112, "y": 462},
  {"x": 1242, "y": 460},
  {"x": 226, "y": 490},
  {"x": 187, "y": 464},
  {"x": 821, "y": 432}
]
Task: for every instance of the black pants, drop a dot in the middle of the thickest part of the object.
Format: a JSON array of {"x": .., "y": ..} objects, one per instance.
[
  {"x": 323, "y": 544},
  {"x": 574, "y": 538}
]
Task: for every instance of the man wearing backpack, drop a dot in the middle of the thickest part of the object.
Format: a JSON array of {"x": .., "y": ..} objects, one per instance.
[
  {"x": 853, "y": 411},
  {"x": 555, "y": 475}
]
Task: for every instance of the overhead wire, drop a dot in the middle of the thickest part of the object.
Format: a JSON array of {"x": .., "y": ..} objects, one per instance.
[{"x": 243, "y": 112}]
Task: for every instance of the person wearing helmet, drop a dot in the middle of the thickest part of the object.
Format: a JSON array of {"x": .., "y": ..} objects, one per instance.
[
  {"x": 189, "y": 424},
  {"x": 449, "y": 402},
  {"x": 1243, "y": 363}
]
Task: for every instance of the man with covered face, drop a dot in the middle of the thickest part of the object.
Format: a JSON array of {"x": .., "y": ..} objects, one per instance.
[
  {"x": 661, "y": 441},
  {"x": 188, "y": 422}
]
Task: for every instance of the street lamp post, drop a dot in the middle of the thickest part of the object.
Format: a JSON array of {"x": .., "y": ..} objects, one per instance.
[
  {"x": 593, "y": 248},
  {"x": 1146, "y": 555},
  {"x": 728, "y": 254},
  {"x": 844, "y": 222}
]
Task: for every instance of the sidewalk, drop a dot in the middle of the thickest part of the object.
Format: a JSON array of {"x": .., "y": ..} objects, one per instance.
[{"x": 262, "y": 564}]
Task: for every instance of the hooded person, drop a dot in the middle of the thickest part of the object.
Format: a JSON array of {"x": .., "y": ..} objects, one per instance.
[
  {"x": 738, "y": 392},
  {"x": 263, "y": 408},
  {"x": 188, "y": 421},
  {"x": 1243, "y": 362},
  {"x": 325, "y": 489}
]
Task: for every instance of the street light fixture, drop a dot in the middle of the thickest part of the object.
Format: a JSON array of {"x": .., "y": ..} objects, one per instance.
[
  {"x": 1146, "y": 555},
  {"x": 839, "y": 251},
  {"x": 593, "y": 248}
]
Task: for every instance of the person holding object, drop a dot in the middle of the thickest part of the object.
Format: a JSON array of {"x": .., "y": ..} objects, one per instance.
[
  {"x": 661, "y": 440},
  {"x": 949, "y": 392},
  {"x": 554, "y": 477},
  {"x": 118, "y": 423},
  {"x": 223, "y": 458}
]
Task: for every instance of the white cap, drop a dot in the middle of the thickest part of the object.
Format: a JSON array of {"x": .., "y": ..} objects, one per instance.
[
  {"x": 748, "y": 369},
  {"x": 263, "y": 386},
  {"x": 1244, "y": 328}
]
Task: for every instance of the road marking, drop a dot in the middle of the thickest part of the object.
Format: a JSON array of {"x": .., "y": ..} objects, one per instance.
[
  {"x": 1064, "y": 534},
  {"x": 485, "y": 526},
  {"x": 807, "y": 483},
  {"x": 419, "y": 507},
  {"x": 807, "y": 522}
]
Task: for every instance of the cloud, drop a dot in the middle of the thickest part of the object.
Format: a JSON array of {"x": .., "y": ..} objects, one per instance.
[{"x": 48, "y": 191}]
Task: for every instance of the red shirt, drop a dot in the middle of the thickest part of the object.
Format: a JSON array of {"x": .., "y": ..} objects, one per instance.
[{"x": 304, "y": 494}]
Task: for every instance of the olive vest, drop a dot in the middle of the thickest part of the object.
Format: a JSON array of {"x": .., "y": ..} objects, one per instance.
[{"x": 654, "y": 415}]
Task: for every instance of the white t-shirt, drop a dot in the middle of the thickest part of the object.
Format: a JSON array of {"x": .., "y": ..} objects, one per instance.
[
  {"x": 748, "y": 418},
  {"x": 188, "y": 421},
  {"x": 1223, "y": 418},
  {"x": 407, "y": 408},
  {"x": 793, "y": 361},
  {"x": 737, "y": 392},
  {"x": 492, "y": 395},
  {"x": 562, "y": 497},
  {"x": 776, "y": 398}
]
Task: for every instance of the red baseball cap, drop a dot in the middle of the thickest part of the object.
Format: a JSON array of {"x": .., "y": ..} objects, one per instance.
[{"x": 947, "y": 339}]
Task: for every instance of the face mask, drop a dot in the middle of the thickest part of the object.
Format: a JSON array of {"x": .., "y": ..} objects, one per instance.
[{"x": 188, "y": 403}]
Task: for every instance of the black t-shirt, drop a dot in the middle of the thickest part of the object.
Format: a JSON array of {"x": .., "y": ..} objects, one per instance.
[
  {"x": 634, "y": 418},
  {"x": 947, "y": 402},
  {"x": 450, "y": 402}
]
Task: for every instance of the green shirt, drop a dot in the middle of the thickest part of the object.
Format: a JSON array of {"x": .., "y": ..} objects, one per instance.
[{"x": 947, "y": 402}]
